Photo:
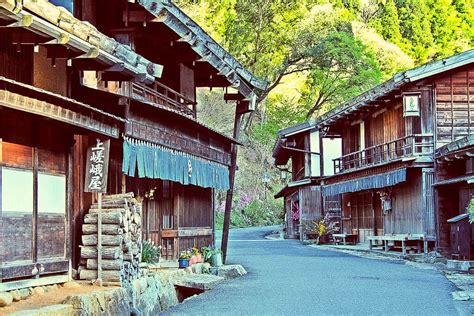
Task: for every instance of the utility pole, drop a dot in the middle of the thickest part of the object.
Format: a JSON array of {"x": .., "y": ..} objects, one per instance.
[{"x": 230, "y": 192}]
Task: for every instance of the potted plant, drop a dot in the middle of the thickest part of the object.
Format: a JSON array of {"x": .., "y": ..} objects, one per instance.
[
  {"x": 216, "y": 258},
  {"x": 197, "y": 255},
  {"x": 321, "y": 229},
  {"x": 150, "y": 252},
  {"x": 212, "y": 255},
  {"x": 184, "y": 258}
]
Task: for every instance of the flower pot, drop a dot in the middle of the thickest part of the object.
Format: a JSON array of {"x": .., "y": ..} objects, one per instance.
[
  {"x": 192, "y": 260},
  {"x": 216, "y": 260},
  {"x": 183, "y": 263},
  {"x": 324, "y": 239},
  {"x": 199, "y": 258}
]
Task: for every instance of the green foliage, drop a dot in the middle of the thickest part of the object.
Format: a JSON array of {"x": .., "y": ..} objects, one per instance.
[
  {"x": 316, "y": 54},
  {"x": 470, "y": 210},
  {"x": 257, "y": 213},
  {"x": 342, "y": 68},
  {"x": 150, "y": 252}
]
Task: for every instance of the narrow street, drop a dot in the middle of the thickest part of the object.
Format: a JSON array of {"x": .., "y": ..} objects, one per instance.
[{"x": 285, "y": 277}]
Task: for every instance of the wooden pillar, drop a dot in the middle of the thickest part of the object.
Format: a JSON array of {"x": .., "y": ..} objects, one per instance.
[{"x": 230, "y": 192}]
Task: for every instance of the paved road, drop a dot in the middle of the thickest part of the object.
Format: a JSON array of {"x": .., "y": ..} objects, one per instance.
[{"x": 287, "y": 278}]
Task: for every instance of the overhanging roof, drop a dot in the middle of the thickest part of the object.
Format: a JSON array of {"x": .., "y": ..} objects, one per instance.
[
  {"x": 455, "y": 148},
  {"x": 378, "y": 181},
  {"x": 58, "y": 24},
  {"x": 469, "y": 179},
  {"x": 26, "y": 98},
  {"x": 396, "y": 82},
  {"x": 279, "y": 155},
  {"x": 206, "y": 47}
]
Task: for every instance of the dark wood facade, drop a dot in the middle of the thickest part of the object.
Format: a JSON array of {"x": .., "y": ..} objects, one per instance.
[
  {"x": 387, "y": 178},
  {"x": 129, "y": 77}
]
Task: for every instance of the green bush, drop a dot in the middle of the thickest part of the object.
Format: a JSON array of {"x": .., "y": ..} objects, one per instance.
[{"x": 256, "y": 213}]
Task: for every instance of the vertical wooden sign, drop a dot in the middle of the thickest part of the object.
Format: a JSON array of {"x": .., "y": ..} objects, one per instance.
[{"x": 97, "y": 167}]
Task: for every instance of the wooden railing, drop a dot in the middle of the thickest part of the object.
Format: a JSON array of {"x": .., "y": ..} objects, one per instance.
[
  {"x": 163, "y": 95},
  {"x": 406, "y": 147}
]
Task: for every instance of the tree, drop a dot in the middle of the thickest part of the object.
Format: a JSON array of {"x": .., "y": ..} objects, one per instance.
[
  {"x": 386, "y": 21},
  {"x": 342, "y": 67},
  {"x": 415, "y": 28}
]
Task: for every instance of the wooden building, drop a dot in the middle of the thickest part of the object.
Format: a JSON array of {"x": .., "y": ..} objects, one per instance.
[
  {"x": 454, "y": 189},
  {"x": 303, "y": 201},
  {"x": 129, "y": 76},
  {"x": 389, "y": 134}
]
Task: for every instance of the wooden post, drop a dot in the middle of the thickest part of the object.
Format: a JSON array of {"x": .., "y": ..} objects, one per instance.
[
  {"x": 99, "y": 240},
  {"x": 230, "y": 192}
]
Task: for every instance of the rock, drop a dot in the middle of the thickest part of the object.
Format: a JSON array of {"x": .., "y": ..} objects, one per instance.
[
  {"x": 16, "y": 296},
  {"x": 167, "y": 294},
  {"x": 71, "y": 285},
  {"x": 231, "y": 271},
  {"x": 462, "y": 295},
  {"x": 38, "y": 290},
  {"x": 460, "y": 265},
  {"x": 198, "y": 281},
  {"x": 206, "y": 266},
  {"x": 6, "y": 299},
  {"x": 52, "y": 310},
  {"x": 24, "y": 293}
]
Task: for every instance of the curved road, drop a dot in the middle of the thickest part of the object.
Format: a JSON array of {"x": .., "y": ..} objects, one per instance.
[{"x": 287, "y": 278}]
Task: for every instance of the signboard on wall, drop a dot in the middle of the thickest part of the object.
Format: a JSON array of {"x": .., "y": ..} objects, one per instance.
[
  {"x": 411, "y": 105},
  {"x": 97, "y": 166}
]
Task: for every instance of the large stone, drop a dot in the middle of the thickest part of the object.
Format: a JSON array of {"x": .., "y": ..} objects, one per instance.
[
  {"x": 38, "y": 290},
  {"x": 6, "y": 299},
  {"x": 167, "y": 294},
  {"x": 24, "y": 293},
  {"x": 16, "y": 296},
  {"x": 463, "y": 295},
  {"x": 231, "y": 271},
  {"x": 113, "y": 302},
  {"x": 52, "y": 310},
  {"x": 460, "y": 265},
  {"x": 198, "y": 281}
]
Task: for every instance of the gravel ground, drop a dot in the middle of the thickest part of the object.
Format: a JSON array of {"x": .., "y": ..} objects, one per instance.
[{"x": 288, "y": 278}]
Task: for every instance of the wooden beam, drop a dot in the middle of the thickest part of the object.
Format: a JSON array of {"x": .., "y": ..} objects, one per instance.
[{"x": 233, "y": 97}]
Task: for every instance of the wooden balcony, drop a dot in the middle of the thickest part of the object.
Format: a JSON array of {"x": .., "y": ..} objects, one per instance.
[
  {"x": 164, "y": 96},
  {"x": 412, "y": 146}
]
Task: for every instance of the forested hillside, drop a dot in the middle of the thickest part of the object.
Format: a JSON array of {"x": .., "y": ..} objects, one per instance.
[{"x": 314, "y": 55}]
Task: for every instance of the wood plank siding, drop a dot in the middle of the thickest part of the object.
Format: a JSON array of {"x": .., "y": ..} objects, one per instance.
[{"x": 454, "y": 106}]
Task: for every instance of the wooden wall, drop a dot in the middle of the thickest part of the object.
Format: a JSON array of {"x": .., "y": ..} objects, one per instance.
[
  {"x": 411, "y": 208},
  {"x": 454, "y": 105},
  {"x": 15, "y": 62},
  {"x": 49, "y": 74},
  {"x": 310, "y": 203}
]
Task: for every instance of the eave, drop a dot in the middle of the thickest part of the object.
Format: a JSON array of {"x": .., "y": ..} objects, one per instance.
[
  {"x": 61, "y": 28},
  {"x": 207, "y": 48}
]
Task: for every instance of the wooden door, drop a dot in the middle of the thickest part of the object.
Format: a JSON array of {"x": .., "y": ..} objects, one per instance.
[{"x": 33, "y": 211}]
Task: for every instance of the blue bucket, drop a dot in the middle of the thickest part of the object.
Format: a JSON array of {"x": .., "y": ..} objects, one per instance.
[{"x": 183, "y": 263}]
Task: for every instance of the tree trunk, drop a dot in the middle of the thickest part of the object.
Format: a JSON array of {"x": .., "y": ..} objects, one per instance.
[
  {"x": 107, "y": 218},
  {"x": 107, "y": 276},
  {"x": 106, "y": 264},
  {"x": 107, "y": 240},
  {"x": 107, "y": 229},
  {"x": 90, "y": 252}
]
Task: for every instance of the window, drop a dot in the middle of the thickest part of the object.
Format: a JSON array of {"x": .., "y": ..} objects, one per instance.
[
  {"x": 51, "y": 215},
  {"x": 16, "y": 214}
]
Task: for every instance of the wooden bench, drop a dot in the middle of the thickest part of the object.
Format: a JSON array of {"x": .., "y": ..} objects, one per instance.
[
  {"x": 404, "y": 239},
  {"x": 345, "y": 238}
]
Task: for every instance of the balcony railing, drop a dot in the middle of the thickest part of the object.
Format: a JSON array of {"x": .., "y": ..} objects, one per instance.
[
  {"x": 406, "y": 147},
  {"x": 163, "y": 95}
]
